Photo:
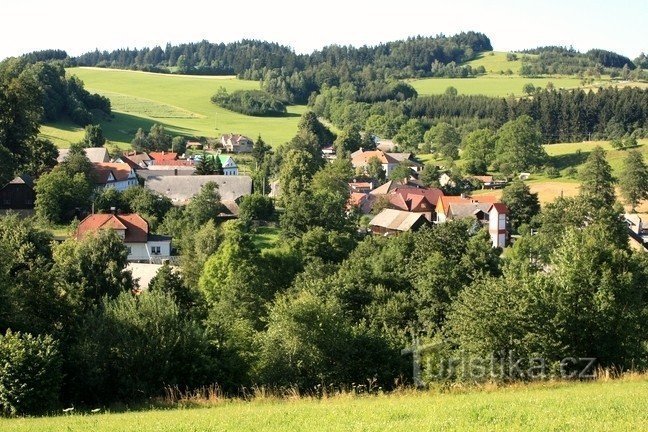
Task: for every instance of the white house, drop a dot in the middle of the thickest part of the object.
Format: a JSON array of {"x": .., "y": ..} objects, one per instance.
[
  {"x": 497, "y": 224},
  {"x": 133, "y": 230},
  {"x": 229, "y": 166},
  {"x": 362, "y": 158},
  {"x": 120, "y": 176},
  {"x": 234, "y": 143}
]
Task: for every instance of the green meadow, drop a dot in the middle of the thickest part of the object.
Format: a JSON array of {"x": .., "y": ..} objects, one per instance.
[
  {"x": 181, "y": 103},
  {"x": 490, "y": 85},
  {"x": 495, "y": 62},
  {"x": 596, "y": 406}
]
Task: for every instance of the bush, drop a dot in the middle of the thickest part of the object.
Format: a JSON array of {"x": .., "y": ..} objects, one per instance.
[
  {"x": 552, "y": 172},
  {"x": 30, "y": 373},
  {"x": 250, "y": 102},
  {"x": 256, "y": 207},
  {"x": 134, "y": 347}
]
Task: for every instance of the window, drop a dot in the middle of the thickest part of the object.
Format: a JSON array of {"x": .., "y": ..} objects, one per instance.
[
  {"x": 128, "y": 248},
  {"x": 155, "y": 250}
]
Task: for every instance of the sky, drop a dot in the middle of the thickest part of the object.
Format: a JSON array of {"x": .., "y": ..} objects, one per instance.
[{"x": 79, "y": 26}]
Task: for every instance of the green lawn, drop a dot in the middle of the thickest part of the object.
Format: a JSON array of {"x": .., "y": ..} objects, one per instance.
[
  {"x": 495, "y": 62},
  {"x": 598, "y": 406},
  {"x": 489, "y": 85},
  {"x": 181, "y": 103},
  {"x": 266, "y": 237}
]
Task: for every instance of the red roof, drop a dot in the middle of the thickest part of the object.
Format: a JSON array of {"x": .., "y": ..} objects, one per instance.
[
  {"x": 135, "y": 227},
  {"x": 121, "y": 171},
  {"x": 500, "y": 207},
  {"x": 174, "y": 162},
  {"x": 163, "y": 156},
  {"x": 431, "y": 194}
]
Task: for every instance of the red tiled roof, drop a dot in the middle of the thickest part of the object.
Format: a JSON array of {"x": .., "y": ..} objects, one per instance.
[
  {"x": 500, "y": 207},
  {"x": 431, "y": 194},
  {"x": 364, "y": 157},
  {"x": 163, "y": 156},
  {"x": 121, "y": 171},
  {"x": 175, "y": 162},
  {"x": 135, "y": 228}
]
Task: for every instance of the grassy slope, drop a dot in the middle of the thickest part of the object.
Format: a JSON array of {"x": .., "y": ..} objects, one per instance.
[
  {"x": 598, "y": 406},
  {"x": 181, "y": 103}
]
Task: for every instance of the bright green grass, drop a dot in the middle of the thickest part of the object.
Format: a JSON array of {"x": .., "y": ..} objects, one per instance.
[
  {"x": 598, "y": 406},
  {"x": 181, "y": 103},
  {"x": 495, "y": 62},
  {"x": 489, "y": 85},
  {"x": 266, "y": 237}
]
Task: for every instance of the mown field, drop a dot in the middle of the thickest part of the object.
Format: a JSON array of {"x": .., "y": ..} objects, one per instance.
[
  {"x": 490, "y": 85},
  {"x": 597, "y": 406},
  {"x": 181, "y": 103}
]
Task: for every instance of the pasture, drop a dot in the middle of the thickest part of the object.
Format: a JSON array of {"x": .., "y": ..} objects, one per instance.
[
  {"x": 495, "y": 62},
  {"x": 490, "y": 85},
  {"x": 179, "y": 102},
  {"x": 595, "y": 406}
]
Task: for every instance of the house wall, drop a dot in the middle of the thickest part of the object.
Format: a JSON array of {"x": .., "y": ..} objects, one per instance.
[
  {"x": 17, "y": 196},
  {"x": 123, "y": 185},
  {"x": 142, "y": 251},
  {"x": 497, "y": 228}
]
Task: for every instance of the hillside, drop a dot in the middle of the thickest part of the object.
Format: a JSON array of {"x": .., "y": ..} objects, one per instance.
[
  {"x": 181, "y": 103},
  {"x": 598, "y": 406}
]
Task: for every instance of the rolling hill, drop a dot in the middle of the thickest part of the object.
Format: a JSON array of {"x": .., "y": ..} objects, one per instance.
[{"x": 180, "y": 102}]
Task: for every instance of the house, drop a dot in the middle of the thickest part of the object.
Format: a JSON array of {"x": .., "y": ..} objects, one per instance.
[
  {"x": 460, "y": 207},
  {"x": 416, "y": 200},
  {"x": 133, "y": 230},
  {"x": 361, "y": 158},
  {"x": 181, "y": 188},
  {"x": 18, "y": 194},
  {"x": 393, "y": 222},
  {"x": 135, "y": 160},
  {"x": 391, "y": 185},
  {"x": 194, "y": 145},
  {"x": 95, "y": 154},
  {"x": 234, "y": 143},
  {"x": 497, "y": 224},
  {"x": 408, "y": 159},
  {"x": 163, "y": 156},
  {"x": 364, "y": 202},
  {"x": 328, "y": 153},
  {"x": 637, "y": 224},
  {"x": 488, "y": 182},
  {"x": 120, "y": 176}
]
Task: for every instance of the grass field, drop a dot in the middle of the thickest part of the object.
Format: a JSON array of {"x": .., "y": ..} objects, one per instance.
[
  {"x": 495, "y": 62},
  {"x": 489, "y": 85},
  {"x": 181, "y": 103},
  {"x": 597, "y": 406}
]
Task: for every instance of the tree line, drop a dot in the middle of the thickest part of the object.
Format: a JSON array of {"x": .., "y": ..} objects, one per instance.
[{"x": 563, "y": 115}]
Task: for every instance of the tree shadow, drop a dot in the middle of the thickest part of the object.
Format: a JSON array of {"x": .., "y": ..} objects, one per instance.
[{"x": 569, "y": 160}]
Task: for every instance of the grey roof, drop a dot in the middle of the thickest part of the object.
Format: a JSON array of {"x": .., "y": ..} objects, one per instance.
[
  {"x": 23, "y": 179},
  {"x": 396, "y": 219},
  {"x": 181, "y": 188},
  {"x": 182, "y": 171},
  {"x": 463, "y": 210},
  {"x": 95, "y": 154}
]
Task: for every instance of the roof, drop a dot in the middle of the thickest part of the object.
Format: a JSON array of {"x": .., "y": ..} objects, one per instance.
[
  {"x": 22, "y": 179},
  {"x": 460, "y": 210},
  {"x": 135, "y": 227},
  {"x": 396, "y": 219},
  {"x": 172, "y": 163},
  {"x": 194, "y": 144},
  {"x": 165, "y": 171},
  {"x": 120, "y": 171},
  {"x": 95, "y": 154},
  {"x": 390, "y": 186},
  {"x": 235, "y": 138},
  {"x": 181, "y": 188},
  {"x": 163, "y": 156},
  {"x": 408, "y": 193},
  {"x": 483, "y": 178},
  {"x": 362, "y": 157},
  {"x": 500, "y": 207}
]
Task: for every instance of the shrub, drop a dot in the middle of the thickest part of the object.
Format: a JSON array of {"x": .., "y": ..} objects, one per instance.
[
  {"x": 250, "y": 102},
  {"x": 30, "y": 373}
]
